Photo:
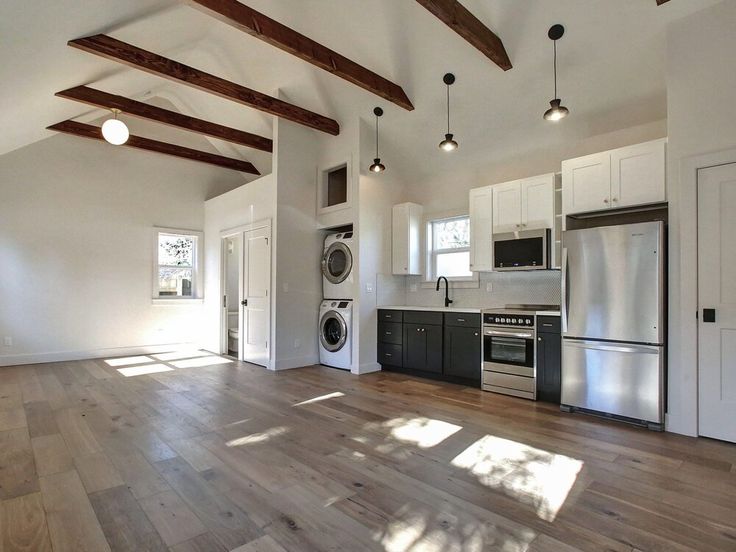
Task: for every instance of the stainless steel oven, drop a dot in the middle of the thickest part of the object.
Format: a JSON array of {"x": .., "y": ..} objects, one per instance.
[
  {"x": 523, "y": 250},
  {"x": 509, "y": 353}
]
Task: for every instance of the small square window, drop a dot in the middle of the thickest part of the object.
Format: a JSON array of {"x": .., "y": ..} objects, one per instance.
[
  {"x": 449, "y": 248},
  {"x": 176, "y": 273}
]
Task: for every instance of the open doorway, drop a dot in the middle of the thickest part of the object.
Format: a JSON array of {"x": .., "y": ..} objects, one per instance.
[
  {"x": 232, "y": 247},
  {"x": 245, "y": 327}
]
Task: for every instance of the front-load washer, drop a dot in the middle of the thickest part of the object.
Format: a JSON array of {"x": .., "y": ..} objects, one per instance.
[
  {"x": 335, "y": 333},
  {"x": 337, "y": 266}
]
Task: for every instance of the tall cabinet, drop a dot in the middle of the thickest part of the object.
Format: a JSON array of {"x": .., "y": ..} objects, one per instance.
[
  {"x": 481, "y": 229},
  {"x": 406, "y": 239}
]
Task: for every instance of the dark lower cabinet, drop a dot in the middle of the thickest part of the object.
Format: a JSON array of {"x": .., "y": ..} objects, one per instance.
[
  {"x": 423, "y": 347},
  {"x": 445, "y": 346},
  {"x": 549, "y": 359},
  {"x": 462, "y": 352}
]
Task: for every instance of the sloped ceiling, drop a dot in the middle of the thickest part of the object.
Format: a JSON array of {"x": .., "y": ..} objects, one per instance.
[{"x": 611, "y": 70}]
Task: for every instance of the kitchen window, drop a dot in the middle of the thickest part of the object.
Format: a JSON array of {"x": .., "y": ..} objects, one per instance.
[
  {"x": 448, "y": 248},
  {"x": 176, "y": 274}
]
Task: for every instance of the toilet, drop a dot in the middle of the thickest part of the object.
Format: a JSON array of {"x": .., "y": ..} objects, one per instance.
[{"x": 233, "y": 333}]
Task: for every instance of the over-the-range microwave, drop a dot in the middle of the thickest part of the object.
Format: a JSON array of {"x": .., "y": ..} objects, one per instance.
[{"x": 522, "y": 250}]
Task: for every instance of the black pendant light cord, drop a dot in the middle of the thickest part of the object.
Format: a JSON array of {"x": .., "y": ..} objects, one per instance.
[
  {"x": 448, "y": 109},
  {"x": 376, "y": 136},
  {"x": 554, "y": 44}
]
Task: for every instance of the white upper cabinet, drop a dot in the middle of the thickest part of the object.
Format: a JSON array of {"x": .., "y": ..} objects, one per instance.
[
  {"x": 624, "y": 177},
  {"x": 586, "y": 183},
  {"x": 637, "y": 174},
  {"x": 406, "y": 239},
  {"x": 524, "y": 204},
  {"x": 538, "y": 202},
  {"x": 481, "y": 229},
  {"x": 507, "y": 206}
]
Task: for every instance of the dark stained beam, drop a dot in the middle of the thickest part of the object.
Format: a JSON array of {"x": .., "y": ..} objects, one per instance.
[
  {"x": 97, "y": 98},
  {"x": 91, "y": 131},
  {"x": 472, "y": 29},
  {"x": 660, "y": 2},
  {"x": 132, "y": 56},
  {"x": 276, "y": 34}
]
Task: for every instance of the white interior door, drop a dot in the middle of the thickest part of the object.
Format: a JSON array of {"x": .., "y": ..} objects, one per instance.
[
  {"x": 256, "y": 296},
  {"x": 717, "y": 302}
]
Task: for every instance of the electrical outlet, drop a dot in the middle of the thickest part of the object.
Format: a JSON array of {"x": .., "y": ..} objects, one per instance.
[
  {"x": 369, "y": 287},
  {"x": 297, "y": 343},
  {"x": 8, "y": 341},
  {"x": 412, "y": 287},
  {"x": 489, "y": 287}
]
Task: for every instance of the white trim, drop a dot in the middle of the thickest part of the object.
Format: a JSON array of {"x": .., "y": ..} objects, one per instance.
[
  {"x": 177, "y": 301},
  {"x": 63, "y": 356},
  {"x": 295, "y": 362},
  {"x": 197, "y": 265},
  {"x": 229, "y": 232},
  {"x": 367, "y": 368},
  {"x": 683, "y": 346}
]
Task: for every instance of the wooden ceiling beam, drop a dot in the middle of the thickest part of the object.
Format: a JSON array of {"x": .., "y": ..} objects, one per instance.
[
  {"x": 660, "y": 2},
  {"x": 132, "y": 56},
  {"x": 90, "y": 131},
  {"x": 98, "y": 98},
  {"x": 453, "y": 14},
  {"x": 276, "y": 34}
]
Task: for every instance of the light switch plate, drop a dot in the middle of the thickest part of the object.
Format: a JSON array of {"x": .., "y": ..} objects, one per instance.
[
  {"x": 369, "y": 287},
  {"x": 8, "y": 341},
  {"x": 412, "y": 287},
  {"x": 489, "y": 287}
]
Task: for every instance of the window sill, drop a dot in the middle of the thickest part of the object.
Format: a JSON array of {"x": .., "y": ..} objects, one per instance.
[
  {"x": 464, "y": 283},
  {"x": 160, "y": 301}
]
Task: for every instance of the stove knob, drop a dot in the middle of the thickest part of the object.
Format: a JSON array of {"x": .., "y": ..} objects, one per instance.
[
  {"x": 497, "y": 320},
  {"x": 528, "y": 322}
]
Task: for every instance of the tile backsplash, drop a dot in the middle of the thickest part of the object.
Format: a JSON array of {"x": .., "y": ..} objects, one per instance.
[{"x": 532, "y": 287}]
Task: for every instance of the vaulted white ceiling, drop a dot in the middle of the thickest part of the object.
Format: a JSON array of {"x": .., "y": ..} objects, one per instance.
[{"x": 611, "y": 69}]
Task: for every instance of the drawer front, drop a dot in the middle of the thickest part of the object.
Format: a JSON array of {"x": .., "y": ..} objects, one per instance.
[
  {"x": 520, "y": 383},
  {"x": 548, "y": 324},
  {"x": 389, "y": 332},
  {"x": 390, "y": 316},
  {"x": 390, "y": 355},
  {"x": 462, "y": 319},
  {"x": 423, "y": 317}
]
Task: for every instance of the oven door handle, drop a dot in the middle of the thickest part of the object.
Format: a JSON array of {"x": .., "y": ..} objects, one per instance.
[{"x": 508, "y": 334}]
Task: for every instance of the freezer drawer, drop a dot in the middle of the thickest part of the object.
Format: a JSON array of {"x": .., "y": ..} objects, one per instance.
[{"x": 616, "y": 378}]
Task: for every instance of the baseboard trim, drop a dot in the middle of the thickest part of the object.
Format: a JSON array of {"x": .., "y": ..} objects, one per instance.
[
  {"x": 295, "y": 362},
  {"x": 368, "y": 368},
  {"x": 65, "y": 356}
]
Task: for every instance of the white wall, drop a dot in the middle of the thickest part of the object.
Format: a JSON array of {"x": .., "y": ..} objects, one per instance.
[
  {"x": 701, "y": 114},
  {"x": 298, "y": 247},
  {"x": 253, "y": 202},
  {"x": 76, "y": 247}
]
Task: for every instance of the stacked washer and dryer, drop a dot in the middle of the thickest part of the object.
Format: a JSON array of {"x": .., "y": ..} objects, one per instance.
[{"x": 336, "y": 310}]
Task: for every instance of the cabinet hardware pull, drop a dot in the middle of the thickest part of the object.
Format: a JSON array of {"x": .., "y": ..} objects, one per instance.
[
  {"x": 387, "y": 315},
  {"x": 388, "y": 354},
  {"x": 476, "y": 334},
  {"x": 388, "y": 333},
  {"x": 615, "y": 199},
  {"x": 461, "y": 320},
  {"x": 605, "y": 200},
  {"x": 547, "y": 325},
  {"x": 539, "y": 339}
]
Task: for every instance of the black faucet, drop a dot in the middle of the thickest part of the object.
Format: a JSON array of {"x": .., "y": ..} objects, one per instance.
[{"x": 447, "y": 297}]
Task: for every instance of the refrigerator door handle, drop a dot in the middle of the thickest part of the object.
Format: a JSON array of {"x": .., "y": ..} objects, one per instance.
[
  {"x": 565, "y": 288},
  {"x": 598, "y": 346}
]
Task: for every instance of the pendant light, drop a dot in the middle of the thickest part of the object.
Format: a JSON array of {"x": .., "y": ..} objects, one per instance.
[
  {"x": 114, "y": 130},
  {"x": 448, "y": 144},
  {"x": 556, "y": 111},
  {"x": 377, "y": 166}
]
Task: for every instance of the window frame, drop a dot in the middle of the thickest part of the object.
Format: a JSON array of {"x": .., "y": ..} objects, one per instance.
[
  {"x": 197, "y": 267},
  {"x": 431, "y": 253}
]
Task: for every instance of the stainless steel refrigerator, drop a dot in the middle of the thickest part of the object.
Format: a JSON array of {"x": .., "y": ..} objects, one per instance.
[{"x": 613, "y": 318}]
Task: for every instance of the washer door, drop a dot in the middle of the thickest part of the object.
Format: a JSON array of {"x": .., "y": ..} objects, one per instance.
[
  {"x": 337, "y": 262},
  {"x": 333, "y": 332}
]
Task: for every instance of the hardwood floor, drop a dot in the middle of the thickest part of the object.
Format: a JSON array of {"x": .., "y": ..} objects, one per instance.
[{"x": 228, "y": 456}]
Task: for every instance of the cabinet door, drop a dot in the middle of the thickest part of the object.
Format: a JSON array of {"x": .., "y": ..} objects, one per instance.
[
  {"x": 507, "y": 207},
  {"x": 400, "y": 239},
  {"x": 462, "y": 352},
  {"x": 549, "y": 352},
  {"x": 538, "y": 202},
  {"x": 423, "y": 347},
  {"x": 638, "y": 174},
  {"x": 481, "y": 232},
  {"x": 433, "y": 336},
  {"x": 586, "y": 183}
]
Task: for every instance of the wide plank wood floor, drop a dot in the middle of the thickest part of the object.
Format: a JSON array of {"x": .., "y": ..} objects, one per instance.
[{"x": 187, "y": 452}]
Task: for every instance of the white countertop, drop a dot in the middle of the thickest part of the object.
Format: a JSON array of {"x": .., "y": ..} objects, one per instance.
[{"x": 433, "y": 309}]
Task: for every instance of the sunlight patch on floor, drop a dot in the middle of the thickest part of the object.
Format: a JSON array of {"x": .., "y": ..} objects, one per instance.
[
  {"x": 143, "y": 370},
  {"x": 127, "y": 361},
  {"x": 532, "y": 475},
  {"x": 321, "y": 398},
  {"x": 255, "y": 438},
  {"x": 179, "y": 355},
  {"x": 422, "y": 432},
  {"x": 210, "y": 360}
]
